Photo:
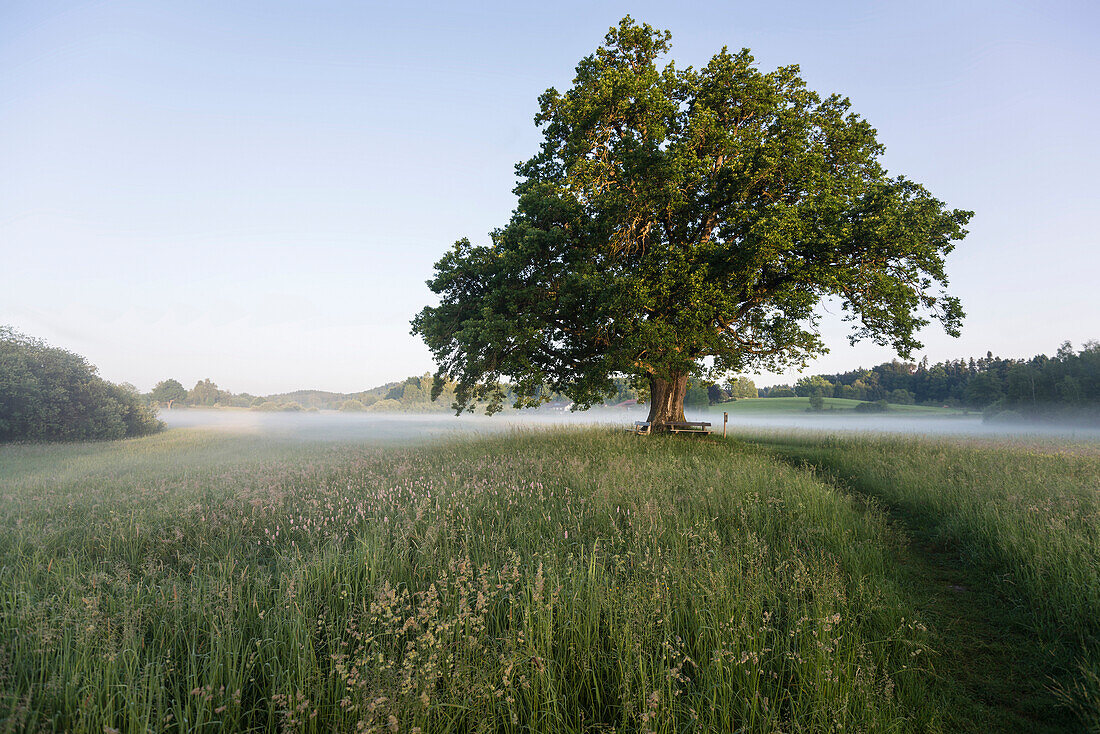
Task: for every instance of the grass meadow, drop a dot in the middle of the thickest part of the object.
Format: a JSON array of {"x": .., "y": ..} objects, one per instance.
[{"x": 549, "y": 581}]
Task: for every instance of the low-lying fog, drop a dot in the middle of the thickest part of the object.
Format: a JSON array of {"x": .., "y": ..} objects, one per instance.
[{"x": 334, "y": 426}]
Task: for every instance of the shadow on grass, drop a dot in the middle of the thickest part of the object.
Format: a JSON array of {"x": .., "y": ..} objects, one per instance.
[{"x": 993, "y": 670}]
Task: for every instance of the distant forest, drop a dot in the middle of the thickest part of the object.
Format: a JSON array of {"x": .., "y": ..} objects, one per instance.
[{"x": 1065, "y": 385}]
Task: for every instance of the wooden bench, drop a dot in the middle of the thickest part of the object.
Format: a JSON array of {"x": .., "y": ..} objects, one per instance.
[
  {"x": 701, "y": 427},
  {"x": 644, "y": 428}
]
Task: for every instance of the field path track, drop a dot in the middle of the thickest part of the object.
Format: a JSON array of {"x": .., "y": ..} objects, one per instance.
[{"x": 993, "y": 674}]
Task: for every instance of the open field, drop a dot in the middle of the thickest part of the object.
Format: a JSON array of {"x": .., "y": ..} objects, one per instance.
[{"x": 552, "y": 580}]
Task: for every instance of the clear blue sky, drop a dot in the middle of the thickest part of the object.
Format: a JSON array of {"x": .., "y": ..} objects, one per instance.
[{"x": 256, "y": 191}]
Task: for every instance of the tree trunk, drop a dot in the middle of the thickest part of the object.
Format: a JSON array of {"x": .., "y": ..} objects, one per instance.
[{"x": 666, "y": 400}]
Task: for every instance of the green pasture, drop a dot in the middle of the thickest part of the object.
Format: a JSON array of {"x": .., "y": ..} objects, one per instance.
[{"x": 549, "y": 581}]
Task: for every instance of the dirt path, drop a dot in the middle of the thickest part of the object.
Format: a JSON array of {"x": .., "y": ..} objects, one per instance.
[{"x": 993, "y": 675}]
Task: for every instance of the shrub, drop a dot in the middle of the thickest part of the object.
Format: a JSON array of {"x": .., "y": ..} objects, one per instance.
[
  {"x": 901, "y": 397},
  {"x": 50, "y": 394}
]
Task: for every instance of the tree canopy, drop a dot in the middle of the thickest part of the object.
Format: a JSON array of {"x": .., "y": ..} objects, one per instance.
[
  {"x": 686, "y": 221},
  {"x": 168, "y": 391},
  {"x": 206, "y": 393}
]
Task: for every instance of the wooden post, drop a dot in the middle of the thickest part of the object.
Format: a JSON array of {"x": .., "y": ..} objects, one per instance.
[{"x": 725, "y": 420}]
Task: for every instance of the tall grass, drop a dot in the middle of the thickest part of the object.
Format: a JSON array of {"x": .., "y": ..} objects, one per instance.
[
  {"x": 550, "y": 582},
  {"x": 1026, "y": 515}
]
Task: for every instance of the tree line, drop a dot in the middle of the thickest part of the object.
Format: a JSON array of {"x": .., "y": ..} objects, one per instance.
[
  {"x": 412, "y": 395},
  {"x": 1065, "y": 385},
  {"x": 48, "y": 393}
]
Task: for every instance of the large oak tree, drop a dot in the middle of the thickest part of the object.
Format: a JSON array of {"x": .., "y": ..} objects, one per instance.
[{"x": 686, "y": 221}]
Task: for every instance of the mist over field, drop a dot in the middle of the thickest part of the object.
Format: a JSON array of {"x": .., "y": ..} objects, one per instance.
[
  {"x": 916, "y": 425},
  {"x": 387, "y": 427},
  {"x": 404, "y": 427}
]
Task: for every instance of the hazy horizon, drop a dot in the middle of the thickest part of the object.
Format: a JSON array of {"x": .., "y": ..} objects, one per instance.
[
  {"x": 402, "y": 427},
  {"x": 257, "y": 193}
]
